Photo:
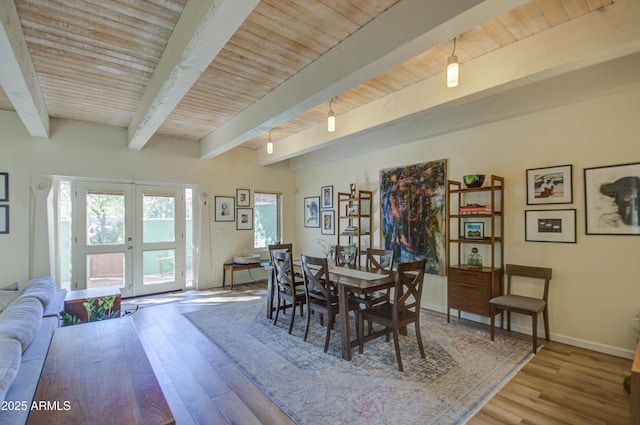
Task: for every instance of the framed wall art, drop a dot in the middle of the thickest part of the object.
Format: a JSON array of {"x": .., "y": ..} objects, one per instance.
[
  {"x": 474, "y": 230},
  {"x": 550, "y": 226},
  {"x": 312, "y": 211},
  {"x": 243, "y": 197},
  {"x": 550, "y": 185},
  {"x": 225, "y": 208},
  {"x": 611, "y": 196},
  {"x": 4, "y": 219},
  {"x": 4, "y": 187},
  {"x": 328, "y": 218},
  {"x": 244, "y": 221},
  {"x": 326, "y": 194}
]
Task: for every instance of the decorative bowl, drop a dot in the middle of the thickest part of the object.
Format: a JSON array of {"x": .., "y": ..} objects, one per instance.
[{"x": 473, "y": 180}]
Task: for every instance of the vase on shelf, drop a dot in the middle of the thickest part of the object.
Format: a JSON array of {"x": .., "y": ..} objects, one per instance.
[{"x": 474, "y": 259}]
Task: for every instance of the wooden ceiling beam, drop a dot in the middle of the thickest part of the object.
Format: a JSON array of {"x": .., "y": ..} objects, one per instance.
[
  {"x": 18, "y": 76},
  {"x": 201, "y": 32},
  {"x": 407, "y": 29}
]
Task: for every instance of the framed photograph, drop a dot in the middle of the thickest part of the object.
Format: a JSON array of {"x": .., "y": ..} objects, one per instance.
[
  {"x": 550, "y": 226},
  {"x": 244, "y": 221},
  {"x": 243, "y": 197},
  {"x": 225, "y": 208},
  {"x": 326, "y": 194},
  {"x": 4, "y": 219},
  {"x": 312, "y": 211},
  {"x": 611, "y": 199},
  {"x": 4, "y": 187},
  {"x": 328, "y": 218},
  {"x": 550, "y": 185},
  {"x": 474, "y": 230}
]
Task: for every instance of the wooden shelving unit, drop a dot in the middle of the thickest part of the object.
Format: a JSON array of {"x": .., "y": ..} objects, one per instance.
[
  {"x": 471, "y": 287},
  {"x": 355, "y": 210}
]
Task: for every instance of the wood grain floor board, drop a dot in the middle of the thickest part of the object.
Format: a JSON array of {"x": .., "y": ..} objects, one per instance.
[{"x": 561, "y": 384}]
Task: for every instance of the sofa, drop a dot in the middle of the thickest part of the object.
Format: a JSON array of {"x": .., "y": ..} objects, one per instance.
[{"x": 28, "y": 318}]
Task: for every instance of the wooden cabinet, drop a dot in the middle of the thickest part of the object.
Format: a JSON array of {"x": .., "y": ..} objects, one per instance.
[
  {"x": 475, "y": 220},
  {"x": 354, "y": 219}
]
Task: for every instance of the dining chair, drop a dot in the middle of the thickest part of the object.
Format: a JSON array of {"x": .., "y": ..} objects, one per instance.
[
  {"x": 404, "y": 309},
  {"x": 346, "y": 259},
  {"x": 320, "y": 295},
  {"x": 287, "y": 288},
  {"x": 273, "y": 248},
  {"x": 528, "y": 305},
  {"x": 376, "y": 260}
]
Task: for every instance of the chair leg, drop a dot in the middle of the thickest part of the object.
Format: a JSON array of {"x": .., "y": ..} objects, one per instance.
[
  {"x": 293, "y": 315},
  {"x": 534, "y": 330},
  {"x": 329, "y": 326},
  {"x": 275, "y": 320},
  {"x": 545, "y": 316},
  {"x": 360, "y": 332},
  {"x": 396, "y": 343},
  {"x": 306, "y": 329},
  {"x": 492, "y": 320},
  {"x": 419, "y": 337}
]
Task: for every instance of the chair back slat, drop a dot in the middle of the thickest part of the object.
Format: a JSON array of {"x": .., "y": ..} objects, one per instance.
[
  {"x": 315, "y": 273},
  {"x": 408, "y": 288},
  {"x": 531, "y": 272},
  {"x": 284, "y": 276},
  {"x": 379, "y": 259}
]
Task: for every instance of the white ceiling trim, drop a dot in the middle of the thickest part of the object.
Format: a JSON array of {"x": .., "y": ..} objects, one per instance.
[
  {"x": 408, "y": 28},
  {"x": 202, "y": 31},
  {"x": 17, "y": 74},
  {"x": 592, "y": 39}
]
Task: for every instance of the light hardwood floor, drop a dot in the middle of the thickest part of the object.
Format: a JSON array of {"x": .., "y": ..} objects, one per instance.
[{"x": 559, "y": 385}]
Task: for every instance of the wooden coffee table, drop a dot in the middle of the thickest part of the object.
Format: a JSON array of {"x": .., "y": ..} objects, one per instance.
[{"x": 98, "y": 373}]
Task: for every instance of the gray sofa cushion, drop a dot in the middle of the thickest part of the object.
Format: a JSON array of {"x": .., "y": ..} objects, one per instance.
[
  {"x": 10, "y": 359},
  {"x": 21, "y": 320},
  {"x": 7, "y": 297},
  {"x": 42, "y": 288}
]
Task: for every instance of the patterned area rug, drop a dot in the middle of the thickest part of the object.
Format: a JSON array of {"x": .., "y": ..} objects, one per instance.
[{"x": 462, "y": 369}]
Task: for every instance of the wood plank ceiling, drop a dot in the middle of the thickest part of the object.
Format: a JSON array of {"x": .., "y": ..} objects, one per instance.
[{"x": 94, "y": 58}]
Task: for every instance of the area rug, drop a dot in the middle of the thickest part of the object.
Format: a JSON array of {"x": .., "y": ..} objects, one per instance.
[{"x": 462, "y": 369}]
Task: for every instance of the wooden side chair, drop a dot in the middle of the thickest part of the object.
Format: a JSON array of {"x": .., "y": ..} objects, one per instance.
[
  {"x": 320, "y": 294},
  {"x": 289, "y": 293},
  {"x": 287, "y": 247},
  {"x": 524, "y": 304},
  {"x": 376, "y": 260},
  {"x": 341, "y": 258},
  {"x": 404, "y": 309}
]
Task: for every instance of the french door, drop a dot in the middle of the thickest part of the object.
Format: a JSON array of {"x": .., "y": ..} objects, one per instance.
[{"x": 129, "y": 236}]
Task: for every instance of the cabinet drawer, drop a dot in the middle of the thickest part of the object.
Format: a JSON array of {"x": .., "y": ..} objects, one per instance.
[
  {"x": 469, "y": 276},
  {"x": 471, "y": 297}
]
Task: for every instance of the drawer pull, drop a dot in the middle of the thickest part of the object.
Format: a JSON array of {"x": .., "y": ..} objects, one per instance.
[{"x": 467, "y": 285}]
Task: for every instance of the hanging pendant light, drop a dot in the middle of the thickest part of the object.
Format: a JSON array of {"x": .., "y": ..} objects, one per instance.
[
  {"x": 269, "y": 145},
  {"x": 331, "y": 119},
  {"x": 452, "y": 67}
]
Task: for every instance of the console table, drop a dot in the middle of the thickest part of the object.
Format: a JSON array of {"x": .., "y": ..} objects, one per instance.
[
  {"x": 233, "y": 267},
  {"x": 98, "y": 373}
]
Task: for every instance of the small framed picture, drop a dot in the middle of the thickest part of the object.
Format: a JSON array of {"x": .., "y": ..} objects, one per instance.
[
  {"x": 611, "y": 197},
  {"x": 328, "y": 218},
  {"x": 326, "y": 195},
  {"x": 312, "y": 211},
  {"x": 225, "y": 208},
  {"x": 4, "y": 219},
  {"x": 243, "y": 197},
  {"x": 244, "y": 221},
  {"x": 550, "y": 226},
  {"x": 474, "y": 230},
  {"x": 4, "y": 187},
  {"x": 550, "y": 185}
]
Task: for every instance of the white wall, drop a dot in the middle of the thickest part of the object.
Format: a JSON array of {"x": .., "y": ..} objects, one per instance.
[
  {"x": 595, "y": 290},
  {"x": 97, "y": 151}
]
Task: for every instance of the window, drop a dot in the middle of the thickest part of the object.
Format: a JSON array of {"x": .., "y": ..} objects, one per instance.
[{"x": 266, "y": 218}]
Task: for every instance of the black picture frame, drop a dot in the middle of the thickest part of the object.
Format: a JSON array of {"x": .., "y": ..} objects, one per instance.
[
  {"x": 611, "y": 196},
  {"x": 4, "y": 187},
  {"x": 550, "y": 185},
  {"x": 312, "y": 211},
  {"x": 225, "y": 209},
  {"x": 328, "y": 219},
  {"x": 550, "y": 226},
  {"x": 326, "y": 196},
  {"x": 243, "y": 197},
  {"x": 4, "y": 219},
  {"x": 244, "y": 219}
]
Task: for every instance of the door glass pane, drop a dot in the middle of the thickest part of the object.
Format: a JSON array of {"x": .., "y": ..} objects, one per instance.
[
  {"x": 159, "y": 266},
  {"x": 188, "y": 198},
  {"x": 105, "y": 270},
  {"x": 158, "y": 214},
  {"x": 105, "y": 219}
]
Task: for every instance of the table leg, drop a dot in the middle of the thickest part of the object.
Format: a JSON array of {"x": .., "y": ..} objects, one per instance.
[
  {"x": 343, "y": 303},
  {"x": 270, "y": 290},
  {"x": 224, "y": 275},
  {"x": 231, "y": 277}
]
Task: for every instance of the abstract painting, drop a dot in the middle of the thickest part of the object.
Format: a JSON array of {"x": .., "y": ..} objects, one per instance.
[{"x": 412, "y": 201}]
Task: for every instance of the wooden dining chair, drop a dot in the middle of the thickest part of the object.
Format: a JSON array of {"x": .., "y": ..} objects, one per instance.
[
  {"x": 289, "y": 293},
  {"x": 528, "y": 305},
  {"x": 376, "y": 260},
  {"x": 320, "y": 294},
  {"x": 273, "y": 248},
  {"x": 404, "y": 310},
  {"x": 341, "y": 258}
]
